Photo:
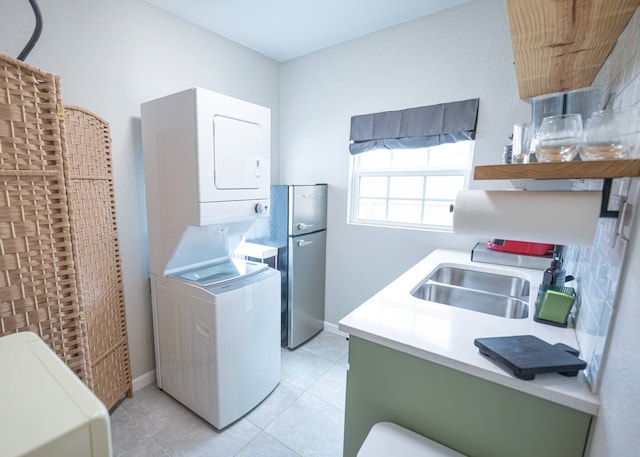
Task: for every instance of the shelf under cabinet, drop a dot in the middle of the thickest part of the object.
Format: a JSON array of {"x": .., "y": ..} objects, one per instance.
[{"x": 595, "y": 169}]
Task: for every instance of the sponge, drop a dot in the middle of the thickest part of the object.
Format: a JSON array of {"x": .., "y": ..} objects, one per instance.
[{"x": 555, "y": 305}]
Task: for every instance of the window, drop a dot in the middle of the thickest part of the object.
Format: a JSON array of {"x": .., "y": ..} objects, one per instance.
[
  {"x": 409, "y": 187},
  {"x": 408, "y": 165}
]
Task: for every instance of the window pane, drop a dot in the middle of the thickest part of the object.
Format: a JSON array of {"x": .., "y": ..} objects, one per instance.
[
  {"x": 444, "y": 186},
  {"x": 409, "y": 187},
  {"x": 452, "y": 155},
  {"x": 378, "y": 159},
  {"x": 437, "y": 213},
  {"x": 406, "y": 187},
  {"x": 410, "y": 159},
  {"x": 373, "y": 186},
  {"x": 404, "y": 211},
  {"x": 372, "y": 209}
]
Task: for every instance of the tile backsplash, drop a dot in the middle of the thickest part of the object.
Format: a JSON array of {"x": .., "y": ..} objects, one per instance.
[
  {"x": 597, "y": 271},
  {"x": 597, "y": 267}
]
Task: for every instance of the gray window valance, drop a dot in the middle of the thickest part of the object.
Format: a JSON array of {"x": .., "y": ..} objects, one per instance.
[{"x": 415, "y": 127}]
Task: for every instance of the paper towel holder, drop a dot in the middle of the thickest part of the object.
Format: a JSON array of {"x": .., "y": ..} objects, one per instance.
[{"x": 604, "y": 205}]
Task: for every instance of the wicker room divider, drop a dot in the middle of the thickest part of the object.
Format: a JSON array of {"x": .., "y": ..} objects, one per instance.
[
  {"x": 60, "y": 273},
  {"x": 96, "y": 252},
  {"x": 37, "y": 277}
]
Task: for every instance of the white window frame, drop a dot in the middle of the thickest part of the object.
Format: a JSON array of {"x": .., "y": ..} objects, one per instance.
[{"x": 354, "y": 192}]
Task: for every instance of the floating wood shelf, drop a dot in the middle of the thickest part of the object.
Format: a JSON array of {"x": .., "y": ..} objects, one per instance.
[
  {"x": 559, "y": 45},
  {"x": 596, "y": 169}
]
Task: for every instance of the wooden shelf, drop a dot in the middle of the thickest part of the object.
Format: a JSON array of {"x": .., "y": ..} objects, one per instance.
[
  {"x": 559, "y": 45},
  {"x": 595, "y": 169}
]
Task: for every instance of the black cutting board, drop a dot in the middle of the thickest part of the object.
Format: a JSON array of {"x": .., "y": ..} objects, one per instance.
[{"x": 527, "y": 355}]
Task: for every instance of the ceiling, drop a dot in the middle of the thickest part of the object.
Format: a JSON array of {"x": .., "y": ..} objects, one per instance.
[{"x": 286, "y": 29}]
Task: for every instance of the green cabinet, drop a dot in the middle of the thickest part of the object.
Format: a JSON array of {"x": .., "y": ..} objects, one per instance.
[{"x": 466, "y": 413}]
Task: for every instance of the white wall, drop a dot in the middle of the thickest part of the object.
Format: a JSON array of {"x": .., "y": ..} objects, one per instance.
[
  {"x": 111, "y": 56},
  {"x": 615, "y": 432},
  {"x": 461, "y": 53}
]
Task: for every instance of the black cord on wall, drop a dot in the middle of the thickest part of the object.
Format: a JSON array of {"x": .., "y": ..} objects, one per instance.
[{"x": 36, "y": 32}]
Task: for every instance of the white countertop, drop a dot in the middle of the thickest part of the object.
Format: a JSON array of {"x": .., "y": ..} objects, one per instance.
[{"x": 444, "y": 334}]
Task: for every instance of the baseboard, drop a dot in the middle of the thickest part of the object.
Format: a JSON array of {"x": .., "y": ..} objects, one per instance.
[
  {"x": 333, "y": 328},
  {"x": 144, "y": 380}
]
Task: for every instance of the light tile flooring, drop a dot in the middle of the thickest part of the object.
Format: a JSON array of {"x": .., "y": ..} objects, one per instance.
[{"x": 303, "y": 416}]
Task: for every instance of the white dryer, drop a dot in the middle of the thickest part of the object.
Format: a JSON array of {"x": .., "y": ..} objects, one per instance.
[
  {"x": 220, "y": 337},
  {"x": 206, "y": 161}
]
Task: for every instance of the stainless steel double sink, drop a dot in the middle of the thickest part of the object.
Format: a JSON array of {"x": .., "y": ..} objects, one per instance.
[{"x": 490, "y": 293}]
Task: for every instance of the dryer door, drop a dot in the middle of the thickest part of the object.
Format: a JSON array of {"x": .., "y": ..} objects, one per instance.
[{"x": 237, "y": 146}]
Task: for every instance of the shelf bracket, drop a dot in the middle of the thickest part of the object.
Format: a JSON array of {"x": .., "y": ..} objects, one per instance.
[{"x": 604, "y": 205}]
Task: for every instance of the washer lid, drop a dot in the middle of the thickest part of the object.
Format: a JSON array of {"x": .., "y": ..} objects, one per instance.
[
  {"x": 208, "y": 244},
  {"x": 225, "y": 270}
]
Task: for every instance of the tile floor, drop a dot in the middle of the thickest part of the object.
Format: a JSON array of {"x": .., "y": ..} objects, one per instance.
[{"x": 303, "y": 416}]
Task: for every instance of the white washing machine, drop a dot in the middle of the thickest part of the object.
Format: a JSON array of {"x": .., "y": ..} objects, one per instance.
[{"x": 218, "y": 337}]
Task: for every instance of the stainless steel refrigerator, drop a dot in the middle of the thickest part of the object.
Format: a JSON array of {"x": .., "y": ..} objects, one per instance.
[{"x": 297, "y": 227}]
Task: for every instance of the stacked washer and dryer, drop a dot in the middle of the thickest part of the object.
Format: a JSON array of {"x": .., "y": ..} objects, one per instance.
[{"x": 216, "y": 318}]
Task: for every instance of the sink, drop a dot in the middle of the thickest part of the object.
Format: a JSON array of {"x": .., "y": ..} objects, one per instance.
[
  {"x": 474, "y": 300},
  {"x": 480, "y": 280},
  {"x": 489, "y": 293}
]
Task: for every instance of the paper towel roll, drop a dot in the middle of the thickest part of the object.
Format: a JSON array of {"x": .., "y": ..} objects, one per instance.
[{"x": 554, "y": 217}]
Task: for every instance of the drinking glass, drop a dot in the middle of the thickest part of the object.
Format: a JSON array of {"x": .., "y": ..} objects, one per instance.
[
  {"x": 558, "y": 138},
  {"x": 611, "y": 134},
  {"x": 521, "y": 142}
]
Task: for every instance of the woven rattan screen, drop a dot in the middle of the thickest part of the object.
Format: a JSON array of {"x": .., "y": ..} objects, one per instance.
[
  {"x": 96, "y": 252},
  {"x": 37, "y": 279}
]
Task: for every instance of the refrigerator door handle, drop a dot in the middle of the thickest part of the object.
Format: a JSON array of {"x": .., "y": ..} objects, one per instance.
[
  {"x": 303, "y": 226},
  {"x": 303, "y": 243}
]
